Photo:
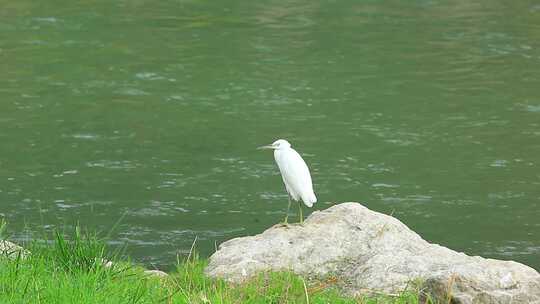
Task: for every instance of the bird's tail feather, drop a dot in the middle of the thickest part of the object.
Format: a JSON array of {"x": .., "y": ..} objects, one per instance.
[{"x": 309, "y": 200}]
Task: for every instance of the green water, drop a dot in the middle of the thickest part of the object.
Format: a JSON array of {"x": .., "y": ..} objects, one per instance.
[{"x": 148, "y": 113}]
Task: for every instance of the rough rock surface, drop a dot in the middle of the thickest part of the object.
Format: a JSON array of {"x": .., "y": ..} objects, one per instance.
[
  {"x": 156, "y": 273},
  {"x": 11, "y": 250},
  {"x": 371, "y": 252}
]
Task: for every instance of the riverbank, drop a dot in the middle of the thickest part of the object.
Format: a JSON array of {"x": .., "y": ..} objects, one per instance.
[
  {"x": 81, "y": 269},
  {"x": 368, "y": 251}
]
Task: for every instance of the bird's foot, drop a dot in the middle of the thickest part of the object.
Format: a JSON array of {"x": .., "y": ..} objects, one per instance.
[{"x": 282, "y": 225}]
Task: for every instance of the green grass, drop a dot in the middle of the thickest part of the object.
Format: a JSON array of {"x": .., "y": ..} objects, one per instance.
[{"x": 62, "y": 271}]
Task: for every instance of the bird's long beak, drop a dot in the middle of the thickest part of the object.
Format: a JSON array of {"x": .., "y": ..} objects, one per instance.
[{"x": 265, "y": 147}]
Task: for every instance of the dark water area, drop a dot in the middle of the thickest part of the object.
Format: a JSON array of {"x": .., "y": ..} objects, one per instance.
[{"x": 144, "y": 116}]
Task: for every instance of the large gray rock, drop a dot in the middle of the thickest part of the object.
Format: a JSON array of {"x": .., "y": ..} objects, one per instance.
[{"x": 371, "y": 252}]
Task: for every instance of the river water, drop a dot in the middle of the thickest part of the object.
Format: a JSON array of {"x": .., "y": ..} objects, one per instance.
[{"x": 140, "y": 119}]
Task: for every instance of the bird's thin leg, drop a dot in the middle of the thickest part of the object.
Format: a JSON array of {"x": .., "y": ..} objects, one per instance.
[
  {"x": 300, "y": 208},
  {"x": 288, "y": 208}
]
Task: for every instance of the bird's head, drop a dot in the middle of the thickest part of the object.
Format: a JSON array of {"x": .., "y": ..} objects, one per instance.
[{"x": 278, "y": 144}]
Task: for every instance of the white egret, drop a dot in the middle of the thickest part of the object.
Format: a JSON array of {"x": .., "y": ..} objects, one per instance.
[{"x": 295, "y": 175}]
